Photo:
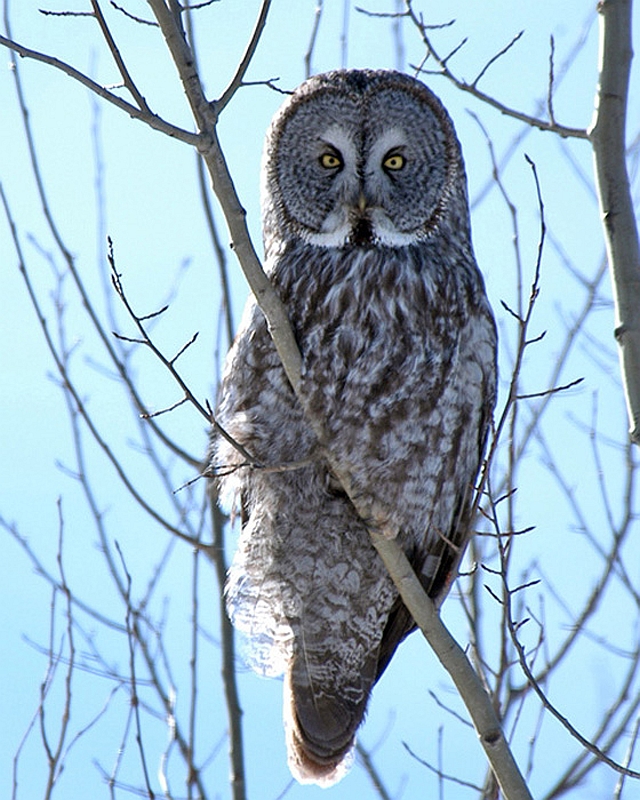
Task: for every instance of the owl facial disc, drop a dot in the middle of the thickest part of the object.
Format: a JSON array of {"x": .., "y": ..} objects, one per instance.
[{"x": 360, "y": 165}]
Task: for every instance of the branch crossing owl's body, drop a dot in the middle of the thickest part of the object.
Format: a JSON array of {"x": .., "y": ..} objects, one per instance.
[{"x": 367, "y": 241}]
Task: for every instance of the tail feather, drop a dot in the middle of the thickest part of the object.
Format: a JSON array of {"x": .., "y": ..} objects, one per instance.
[{"x": 320, "y": 732}]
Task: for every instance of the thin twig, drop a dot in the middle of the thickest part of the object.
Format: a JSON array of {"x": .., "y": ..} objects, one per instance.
[
  {"x": 503, "y": 51},
  {"x": 229, "y": 682},
  {"x": 135, "y": 701},
  {"x": 524, "y": 664},
  {"x": 317, "y": 16},
  {"x": 553, "y": 390},
  {"x": 128, "y": 14},
  {"x": 471, "y": 88},
  {"x": 364, "y": 756},
  {"x": 169, "y": 363},
  {"x": 246, "y": 59},
  {"x": 117, "y": 56},
  {"x": 151, "y": 119},
  {"x": 550, "y": 90},
  {"x": 438, "y": 771}
]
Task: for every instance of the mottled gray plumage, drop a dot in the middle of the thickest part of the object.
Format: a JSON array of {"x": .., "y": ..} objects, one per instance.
[{"x": 367, "y": 241}]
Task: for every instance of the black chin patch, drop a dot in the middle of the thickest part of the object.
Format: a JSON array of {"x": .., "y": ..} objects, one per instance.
[{"x": 362, "y": 233}]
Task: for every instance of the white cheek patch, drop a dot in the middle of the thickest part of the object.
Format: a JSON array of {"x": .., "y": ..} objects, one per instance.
[
  {"x": 337, "y": 230},
  {"x": 335, "y": 236},
  {"x": 386, "y": 232}
]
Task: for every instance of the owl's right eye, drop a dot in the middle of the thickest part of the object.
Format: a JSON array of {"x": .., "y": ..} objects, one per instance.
[{"x": 331, "y": 160}]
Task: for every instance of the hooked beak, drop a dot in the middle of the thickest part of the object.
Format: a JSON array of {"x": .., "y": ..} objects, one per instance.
[{"x": 362, "y": 233}]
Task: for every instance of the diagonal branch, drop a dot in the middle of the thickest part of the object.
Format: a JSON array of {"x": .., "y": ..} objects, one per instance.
[
  {"x": 418, "y": 603},
  {"x": 224, "y": 189},
  {"x": 455, "y": 661},
  {"x": 241, "y": 71},
  {"x": 117, "y": 56},
  {"x": 153, "y": 120},
  {"x": 472, "y": 88},
  {"x": 526, "y": 668}
]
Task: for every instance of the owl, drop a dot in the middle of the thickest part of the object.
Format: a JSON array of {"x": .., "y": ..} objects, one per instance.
[{"x": 368, "y": 244}]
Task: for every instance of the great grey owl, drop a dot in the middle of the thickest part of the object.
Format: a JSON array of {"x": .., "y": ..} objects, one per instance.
[{"x": 367, "y": 242}]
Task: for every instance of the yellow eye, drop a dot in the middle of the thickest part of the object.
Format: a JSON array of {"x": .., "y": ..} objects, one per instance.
[
  {"x": 394, "y": 162},
  {"x": 330, "y": 160}
]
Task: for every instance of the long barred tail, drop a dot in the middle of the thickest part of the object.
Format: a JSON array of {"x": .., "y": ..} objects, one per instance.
[
  {"x": 313, "y": 600},
  {"x": 320, "y": 730}
]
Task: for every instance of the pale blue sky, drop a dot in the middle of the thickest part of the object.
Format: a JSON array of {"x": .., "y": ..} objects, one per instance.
[{"x": 152, "y": 212}]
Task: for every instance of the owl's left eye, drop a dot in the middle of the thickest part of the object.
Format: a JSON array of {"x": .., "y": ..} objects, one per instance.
[
  {"x": 331, "y": 160},
  {"x": 393, "y": 162}
]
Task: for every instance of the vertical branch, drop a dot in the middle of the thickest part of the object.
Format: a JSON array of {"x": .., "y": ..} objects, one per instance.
[
  {"x": 234, "y": 711},
  {"x": 218, "y": 249},
  {"x": 344, "y": 35},
  {"x": 55, "y": 756},
  {"x": 135, "y": 699},
  {"x": 397, "y": 35},
  {"x": 317, "y": 15},
  {"x": 607, "y": 135}
]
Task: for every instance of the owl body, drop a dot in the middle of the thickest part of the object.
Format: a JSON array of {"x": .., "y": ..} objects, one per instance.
[{"x": 367, "y": 243}]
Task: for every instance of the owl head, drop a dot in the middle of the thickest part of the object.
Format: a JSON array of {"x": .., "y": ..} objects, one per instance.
[{"x": 362, "y": 158}]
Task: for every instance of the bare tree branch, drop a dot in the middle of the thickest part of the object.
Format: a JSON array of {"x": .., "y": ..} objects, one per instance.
[
  {"x": 317, "y": 16},
  {"x": 607, "y": 135},
  {"x": 234, "y": 712},
  {"x": 135, "y": 700},
  {"x": 472, "y": 88},
  {"x": 489, "y": 690},
  {"x": 243, "y": 66},
  {"x": 455, "y": 661},
  {"x": 115, "y": 52},
  {"x": 153, "y": 120},
  {"x": 524, "y": 663}
]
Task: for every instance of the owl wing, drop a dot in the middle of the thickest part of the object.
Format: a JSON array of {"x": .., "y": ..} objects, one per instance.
[{"x": 446, "y": 551}]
